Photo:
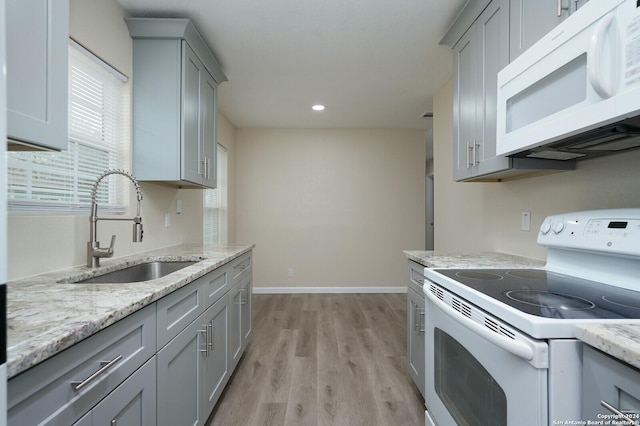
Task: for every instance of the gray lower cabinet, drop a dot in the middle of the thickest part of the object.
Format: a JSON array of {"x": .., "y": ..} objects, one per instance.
[
  {"x": 180, "y": 365},
  {"x": 610, "y": 389},
  {"x": 216, "y": 367},
  {"x": 166, "y": 364},
  {"x": 65, "y": 387},
  {"x": 37, "y": 34},
  {"x": 240, "y": 323},
  {"x": 415, "y": 326},
  {"x": 193, "y": 369},
  {"x": 133, "y": 403}
]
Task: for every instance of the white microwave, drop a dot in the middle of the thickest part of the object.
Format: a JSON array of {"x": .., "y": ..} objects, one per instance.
[{"x": 575, "y": 93}]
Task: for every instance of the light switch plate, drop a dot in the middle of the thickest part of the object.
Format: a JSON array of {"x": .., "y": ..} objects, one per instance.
[{"x": 526, "y": 221}]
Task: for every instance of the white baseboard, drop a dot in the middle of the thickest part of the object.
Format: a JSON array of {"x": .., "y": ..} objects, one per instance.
[{"x": 293, "y": 290}]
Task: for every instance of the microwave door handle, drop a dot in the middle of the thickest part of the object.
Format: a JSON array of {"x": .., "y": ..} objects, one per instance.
[
  {"x": 519, "y": 349},
  {"x": 597, "y": 79}
]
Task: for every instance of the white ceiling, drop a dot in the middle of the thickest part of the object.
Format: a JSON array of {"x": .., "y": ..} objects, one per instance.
[{"x": 373, "y": 63}]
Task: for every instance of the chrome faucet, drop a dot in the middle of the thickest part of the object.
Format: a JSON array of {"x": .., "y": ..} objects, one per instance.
[{"x": 94, "y": 251}]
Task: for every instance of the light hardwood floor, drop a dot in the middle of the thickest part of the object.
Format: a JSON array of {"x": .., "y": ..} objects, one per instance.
[{"x": 323, "y": 359}]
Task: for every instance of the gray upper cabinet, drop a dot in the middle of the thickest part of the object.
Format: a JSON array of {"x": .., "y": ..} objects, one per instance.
[
  {"x": 37, "y": 63},
  {"x": 481, "y": 52},
  {"x": 531, "y": 20},
  {"x": 480, "y": 42},
  {"x": 175, "y": 79}
]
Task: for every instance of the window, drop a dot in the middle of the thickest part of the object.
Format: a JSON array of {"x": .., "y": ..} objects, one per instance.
[
  {"x": 99, "y": 139},
  {"x": 215, "y": 204}
]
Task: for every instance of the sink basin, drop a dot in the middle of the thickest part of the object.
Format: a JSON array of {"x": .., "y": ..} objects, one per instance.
[{"x": 136, "y": 273}]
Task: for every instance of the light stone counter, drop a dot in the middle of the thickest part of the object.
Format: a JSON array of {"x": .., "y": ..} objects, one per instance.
[
  {"x": 45, "y": 315},
  {"x": 437, "y": 259},
  {"x": 621, "y": 341}
]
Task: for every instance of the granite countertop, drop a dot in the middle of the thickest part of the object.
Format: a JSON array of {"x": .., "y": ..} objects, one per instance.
[
  {"x": 438, "y": 259},
  {"x": 46, "y": 314},
  {"x": 621, "y": 341}
]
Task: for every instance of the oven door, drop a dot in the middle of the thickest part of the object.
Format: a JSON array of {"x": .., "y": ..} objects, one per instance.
[{"x": 480, "y": 371}]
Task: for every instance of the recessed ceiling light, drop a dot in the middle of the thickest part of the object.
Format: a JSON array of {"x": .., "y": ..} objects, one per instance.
[{"x": 317, "y": 107}]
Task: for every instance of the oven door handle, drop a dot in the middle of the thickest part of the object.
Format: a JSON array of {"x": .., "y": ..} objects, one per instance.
[{"x": 519, "y": 349}]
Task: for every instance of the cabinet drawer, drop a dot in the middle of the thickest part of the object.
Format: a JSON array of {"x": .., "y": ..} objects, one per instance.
[
  {"x": 240, "y": 268},
  {"x": 416, "y": 276},
  {"x": 178, "y": 309},
  {"x": 61, "y": 389},
  {"x": 216, "y": 284}
]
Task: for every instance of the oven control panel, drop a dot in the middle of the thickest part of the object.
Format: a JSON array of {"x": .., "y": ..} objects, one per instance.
[{"x": 615, "y": 231}]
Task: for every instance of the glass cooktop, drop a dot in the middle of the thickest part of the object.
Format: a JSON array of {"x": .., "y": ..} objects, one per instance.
[{"x": 550, "y": 295}]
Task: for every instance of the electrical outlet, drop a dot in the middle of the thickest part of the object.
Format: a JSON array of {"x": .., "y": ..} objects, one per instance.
[
  {"x": 290, "y": 272},
  {"x": 525, "y": 221}
]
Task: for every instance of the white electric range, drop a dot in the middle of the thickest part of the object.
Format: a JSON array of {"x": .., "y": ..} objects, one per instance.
[{"x": 500, "y": 343}]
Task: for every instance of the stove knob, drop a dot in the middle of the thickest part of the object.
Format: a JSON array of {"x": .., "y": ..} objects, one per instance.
[
  {"x": 545, "y": 228},
  {"x": 558, "y": 227}
]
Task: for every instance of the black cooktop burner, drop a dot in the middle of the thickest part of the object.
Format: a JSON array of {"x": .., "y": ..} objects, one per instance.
[{"x": 550, "y": 295}]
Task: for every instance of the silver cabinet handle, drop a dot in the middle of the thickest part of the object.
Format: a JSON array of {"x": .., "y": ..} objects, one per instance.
[
  {"x": 421, "y": 317},
  {"x": 415, "y": 317},
  {"x": 205, "y": 331},
  {"x": 106, "y": 365},
  {"x": 475, "y": 153},
  {"x": 244, "y": 297},
  {"x": 619, "y": 413},
  {"x": 242, "y": 266},
  {"x": 210, "y": 340},
  {"x": 561, "y": 7},
  {"x": 469, "y": 163}
]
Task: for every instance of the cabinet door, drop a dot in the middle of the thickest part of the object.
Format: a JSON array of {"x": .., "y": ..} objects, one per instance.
[
  {"x": 216, "y": 361},
  {"x": 179, "y": 376},
  {"x": 235, "y": 324},
  {"x": 415, "y": 338},
  {"x": 464, "y": 102},
  {"x": 133, "y": 403},
  {"x": 245, "y": 314},
  {"x": 531, "y": 20},
  {"x": 208, "y": 136},
  {"x": 37, "y": 64},
  {"x": 192, "y": 163},
  {"x": 492, "y": 29}
]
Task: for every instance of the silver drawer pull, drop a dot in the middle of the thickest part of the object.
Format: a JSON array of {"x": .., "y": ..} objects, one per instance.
[
  {"x": 106, "y": 365},
  {"x": 627, "y": 416},
  {"x": 205, "y": 331},
  {"x": 241, "y": 266}
]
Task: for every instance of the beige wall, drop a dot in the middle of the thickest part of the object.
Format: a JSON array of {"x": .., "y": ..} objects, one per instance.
[
  {"x": 42, "y": 243},
  {"x": 486, "y": 216},
  {"x": 337, "y": 206}
]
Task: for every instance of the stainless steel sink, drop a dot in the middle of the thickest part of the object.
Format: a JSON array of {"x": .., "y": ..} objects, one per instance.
[{"x": 136, "y": 273}]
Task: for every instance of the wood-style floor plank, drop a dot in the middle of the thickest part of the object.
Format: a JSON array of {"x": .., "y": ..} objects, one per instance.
[{"x": 323, "y": 359}]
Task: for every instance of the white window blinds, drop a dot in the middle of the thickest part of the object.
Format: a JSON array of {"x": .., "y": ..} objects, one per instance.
[
  {"x": 215, "y": 204},
  {"x": 99, "y": 139}
]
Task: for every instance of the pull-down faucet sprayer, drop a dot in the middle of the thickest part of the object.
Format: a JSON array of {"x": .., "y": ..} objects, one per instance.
[{"x": 94, "y": 251}]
